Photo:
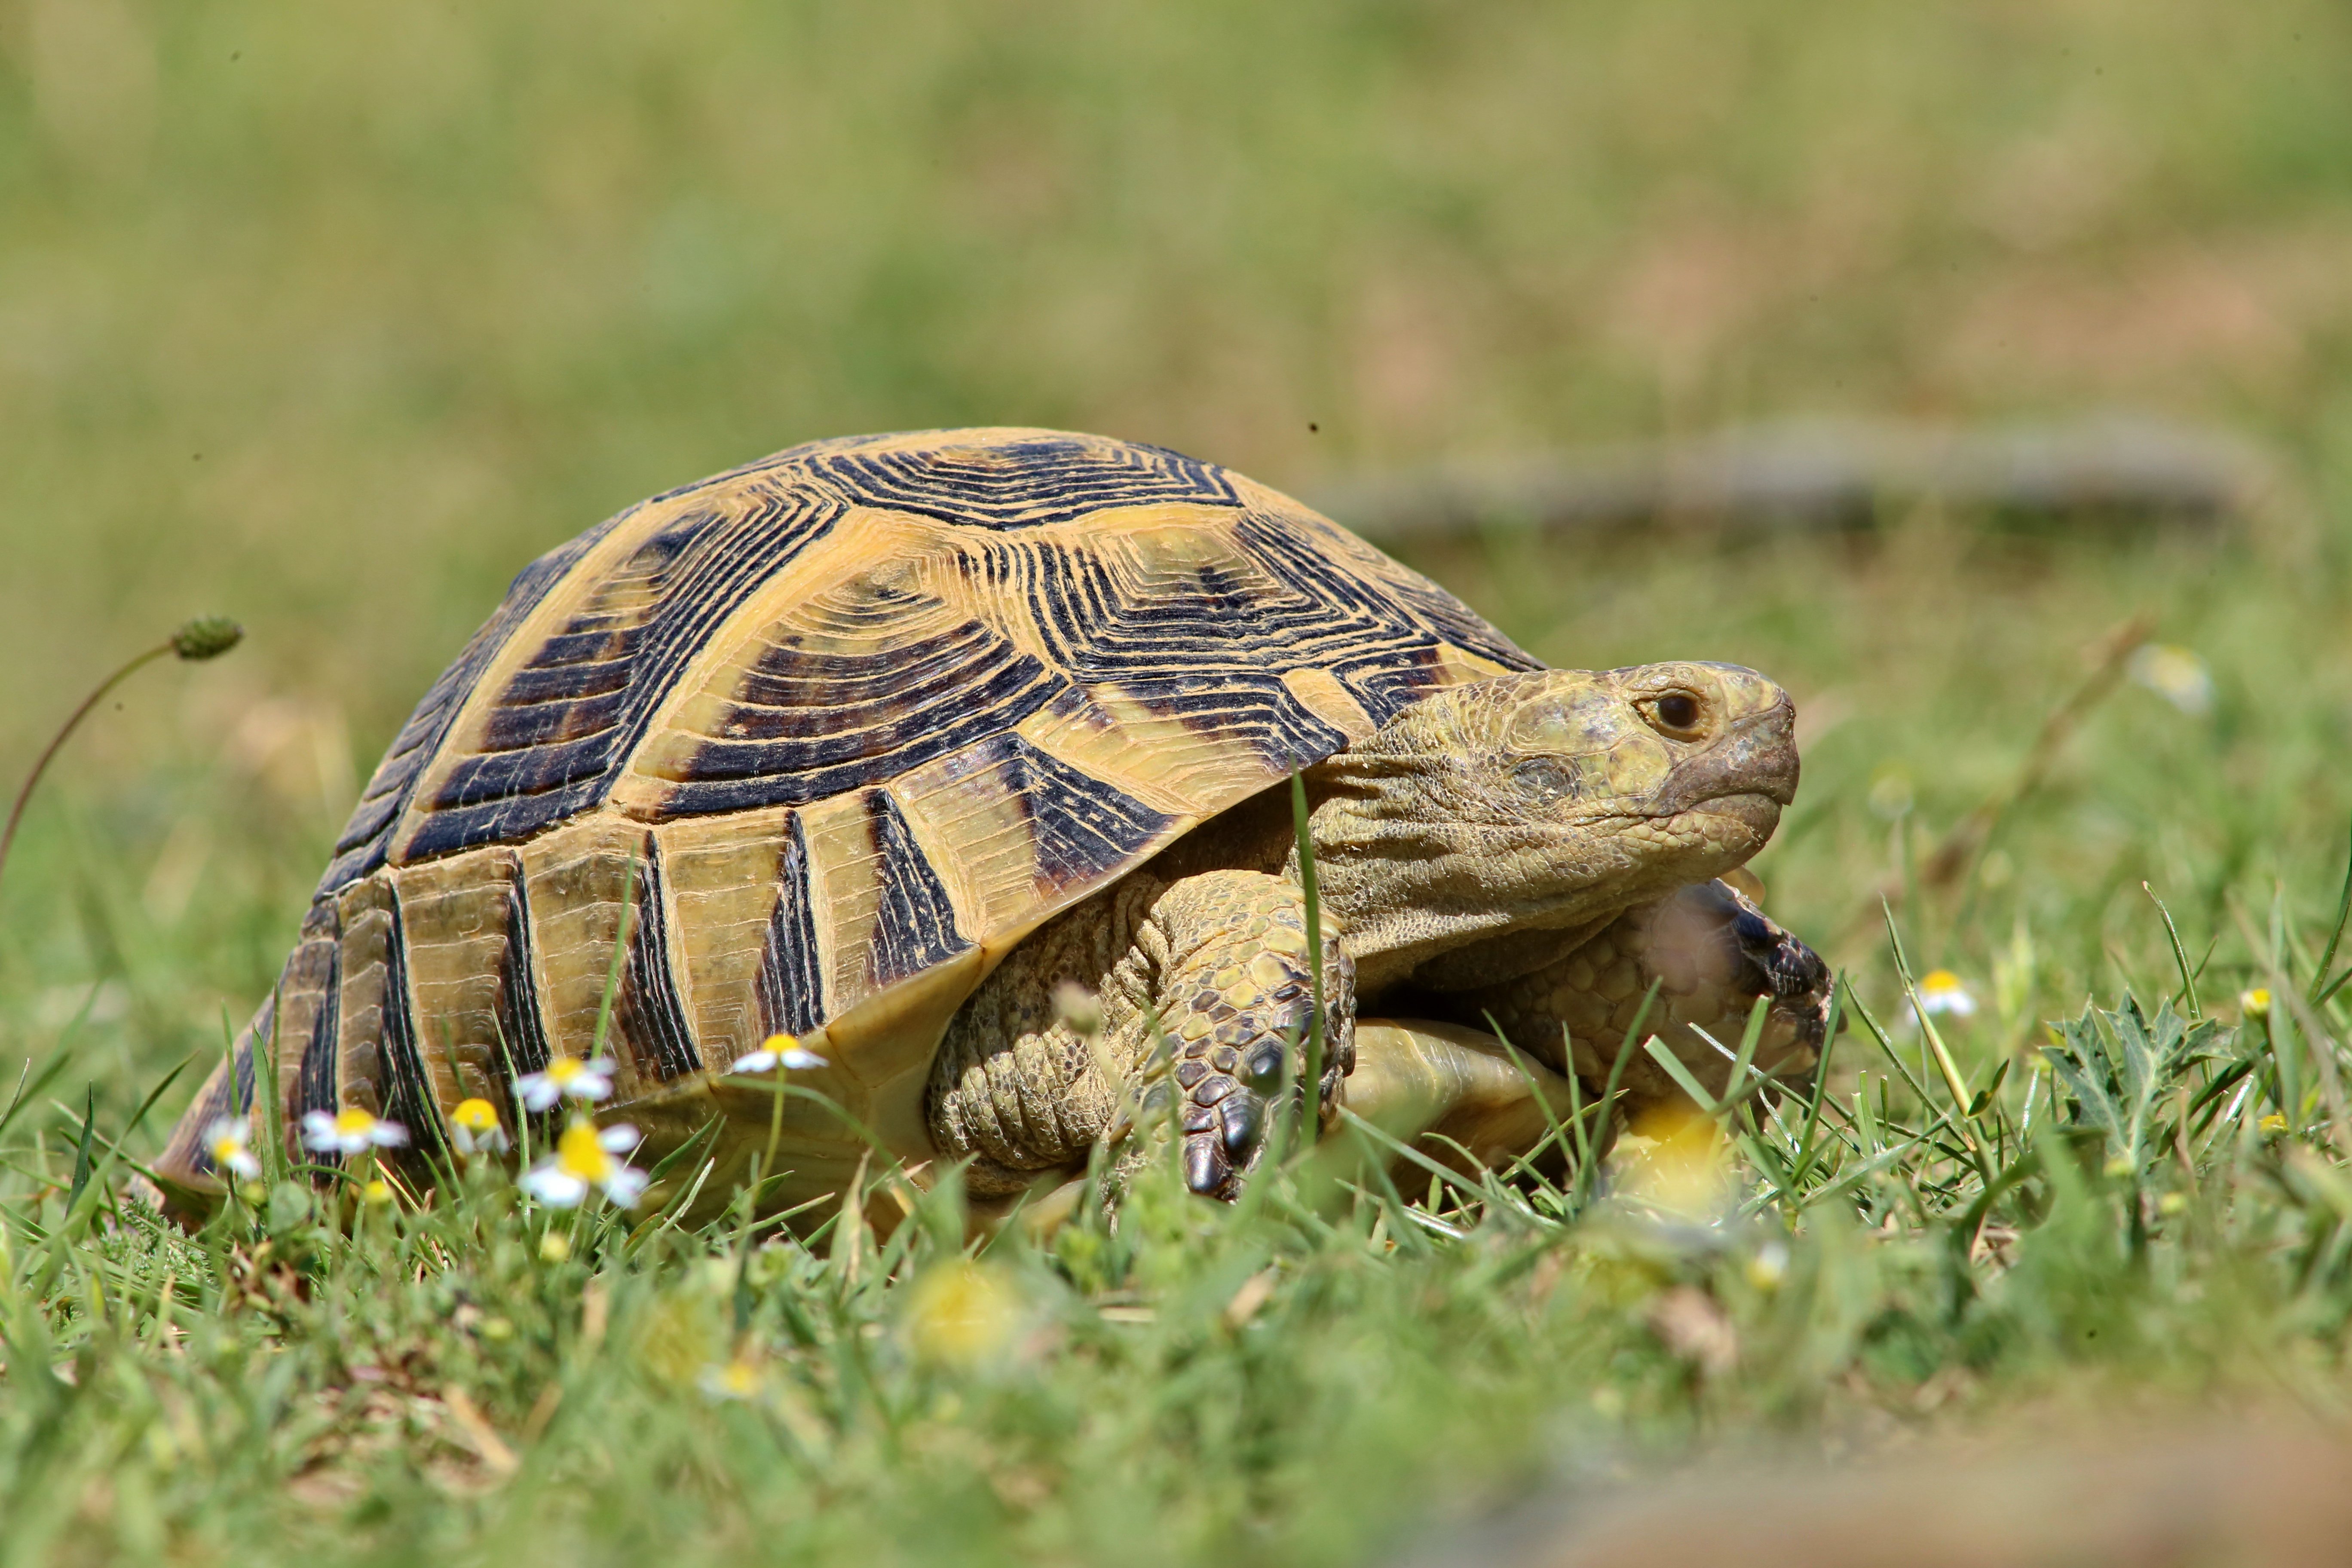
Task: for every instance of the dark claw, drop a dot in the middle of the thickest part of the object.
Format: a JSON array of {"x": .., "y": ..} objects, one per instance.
[
  {"x": 1205, "y": 1165},
  {"x": 1245, "y": 1118},
  {"x": 1266, "y": 1067}
]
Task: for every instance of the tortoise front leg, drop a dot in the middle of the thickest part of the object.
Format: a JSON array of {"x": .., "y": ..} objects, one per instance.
[
  {"x": 1215, "y": 967},
  {"x": 1710, "y": 952},
  {"x": 1234, "y": 997}
]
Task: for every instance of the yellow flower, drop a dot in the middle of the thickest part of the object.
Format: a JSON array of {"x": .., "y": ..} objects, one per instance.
[
  {"x": 476, "y": 1128},
  {"x": 963, "y": 1313},
  {"x": 2255, "y": 1003},
  {"x": 1682, "y": 1170},
  {"x": 555, "y": 1246},
  {"x": 377, "y": 1191},
  {"x": 2273, "y": 1123}
]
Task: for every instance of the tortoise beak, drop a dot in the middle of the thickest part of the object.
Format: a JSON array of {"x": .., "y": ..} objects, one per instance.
[{"x": 1750, "y": 771}]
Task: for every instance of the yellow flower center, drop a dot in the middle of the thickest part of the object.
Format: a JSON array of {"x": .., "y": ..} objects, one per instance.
[
  {"x": 1940, "y": 982},
  {"x": 564, "y": 1069},
  {"x": 354, "y": 1123},
  {"x": 475, "y": 1115},
  {"x": 739, "y": 1378},
  {"x": 578, "y": 1153},
  {"x": 780, "y": 1044},
  {"x": 227, "y": 1147}
]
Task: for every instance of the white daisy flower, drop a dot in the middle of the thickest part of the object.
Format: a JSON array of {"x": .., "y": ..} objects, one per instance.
[
  {"x": 2176, "y": 674},
  {"x": 475, "y": 1128},
  {"x": 586, "y": 1160},
  {"x": 350, "y": 1132},
  {"x": 737, "y": 1379},
  {"x": 567, "y": 1077},
  {"x": 779, "y": 1050},
  {"x": 1941, "y": 991},
  {"x": 231, "y": 1143}
]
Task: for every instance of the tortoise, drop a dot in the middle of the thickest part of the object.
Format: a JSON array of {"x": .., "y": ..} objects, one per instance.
[{"x": 879, "y": 741}]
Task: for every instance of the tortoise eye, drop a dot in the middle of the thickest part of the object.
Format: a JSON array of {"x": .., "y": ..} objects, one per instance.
[{"x": 1676, "y": 710}]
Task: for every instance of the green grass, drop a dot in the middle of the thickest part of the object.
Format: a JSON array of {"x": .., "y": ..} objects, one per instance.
[{"x": 328, "y": 320}]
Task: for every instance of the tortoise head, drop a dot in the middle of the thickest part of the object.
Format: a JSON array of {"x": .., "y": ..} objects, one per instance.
[{"x": 1549, "y": 800}]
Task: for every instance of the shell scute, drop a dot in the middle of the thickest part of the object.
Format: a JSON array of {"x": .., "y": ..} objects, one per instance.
[{"x": 1046, "y": 479}]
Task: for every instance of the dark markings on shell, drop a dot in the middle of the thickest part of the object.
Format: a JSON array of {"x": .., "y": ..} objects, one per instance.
[
  {"x": 367, "y": 835},
  {"x": 1386, "y": 676},
  {"x": 1023, "y": 484},
  {"x": 791, "y": 986},
  {"x": 320, "y": 960},
  {"x": 256, "y": 1034},
  {"x": 813, "y": 724},
  {"x": 408, "y": 1097},
  {"x": 648, "y": 1014},
  {"x": 1082, "y": 827},
  {"x": 522, "y": 1029},
  {"x": 569, "y": 720},
  {"x": 915, "y": 927}
]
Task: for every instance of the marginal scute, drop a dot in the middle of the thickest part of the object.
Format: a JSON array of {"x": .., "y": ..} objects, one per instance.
[{"x": 650, "y": 1017}]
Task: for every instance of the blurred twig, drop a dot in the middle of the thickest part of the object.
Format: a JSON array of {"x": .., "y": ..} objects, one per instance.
[
  {"x": 1960, "y": 844},
  {"x": 1825, "y": 474}
]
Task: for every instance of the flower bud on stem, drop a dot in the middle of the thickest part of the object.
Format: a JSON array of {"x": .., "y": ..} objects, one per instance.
[{"x": 206, "y": 637}]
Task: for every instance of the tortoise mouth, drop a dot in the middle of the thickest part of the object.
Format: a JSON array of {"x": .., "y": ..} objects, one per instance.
[
  {"x": 1754, "y": 809},
  {"x": 1752, "y": 767}
]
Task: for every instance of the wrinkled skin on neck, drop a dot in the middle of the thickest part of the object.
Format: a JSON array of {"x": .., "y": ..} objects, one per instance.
[{"x": 1544, "y": 802}]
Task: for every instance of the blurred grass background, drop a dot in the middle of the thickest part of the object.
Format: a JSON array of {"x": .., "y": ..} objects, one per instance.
[{"x": 331, "y": 317}]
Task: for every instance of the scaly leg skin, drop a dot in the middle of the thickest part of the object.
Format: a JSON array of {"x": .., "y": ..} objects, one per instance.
[
  {"x": 1711, "y": 951},
  {"x": 1215, "y": 964}
]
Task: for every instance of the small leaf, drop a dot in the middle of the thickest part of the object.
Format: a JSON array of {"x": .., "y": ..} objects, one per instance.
[{"x": 82, "y": 1156}]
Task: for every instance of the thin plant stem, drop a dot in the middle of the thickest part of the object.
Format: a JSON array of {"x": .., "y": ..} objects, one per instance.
[{"x": 207, "y": 636}]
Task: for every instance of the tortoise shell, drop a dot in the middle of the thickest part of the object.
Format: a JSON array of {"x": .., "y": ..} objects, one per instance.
[{"x": 807, "y": 747}]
